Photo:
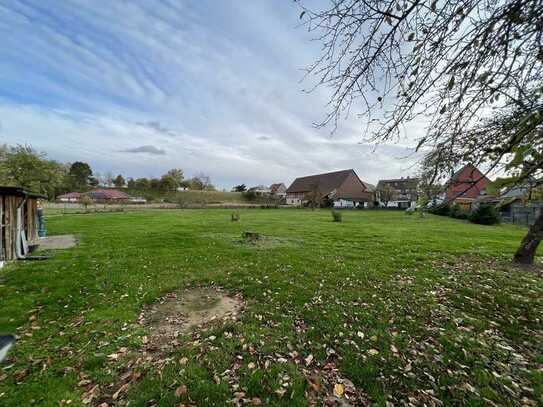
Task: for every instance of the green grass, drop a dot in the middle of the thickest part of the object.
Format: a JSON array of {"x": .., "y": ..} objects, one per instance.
[
  {"x": 435, "y": 297},
  {"x": 190, "y": 197}
]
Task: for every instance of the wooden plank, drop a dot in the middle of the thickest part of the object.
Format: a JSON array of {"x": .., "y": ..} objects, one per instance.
[
  {"x": 8, "y": 228},
  {"x": 2, "y": 238}
]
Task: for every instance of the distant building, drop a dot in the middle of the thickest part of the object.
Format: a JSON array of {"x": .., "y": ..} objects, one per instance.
[
  {"x": 279, "y": 190},
  {"x": 404, "y": 192},
  {"x": 260, "y": 190},
  {"x": 340, "y": 189},
  {"x": 465, "y": 186},
  {"x": 107, "y": 195},
  {"x": 70, "y": 197}
]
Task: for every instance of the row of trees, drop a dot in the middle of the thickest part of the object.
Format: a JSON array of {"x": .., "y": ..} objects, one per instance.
[
  {"x": 170, "y": 181},
  {"x": 24, "y": 167}
]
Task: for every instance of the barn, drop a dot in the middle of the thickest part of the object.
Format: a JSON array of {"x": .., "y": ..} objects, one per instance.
[{"x": 18, "y": 222}]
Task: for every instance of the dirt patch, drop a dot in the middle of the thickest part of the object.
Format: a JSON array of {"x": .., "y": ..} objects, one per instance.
[
  {"x": 179, "y": 312},
  {"x": 57, "y": 242}
]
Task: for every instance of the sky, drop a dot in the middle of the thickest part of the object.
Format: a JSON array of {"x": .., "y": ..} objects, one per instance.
[{"x": 139, "y": 87}]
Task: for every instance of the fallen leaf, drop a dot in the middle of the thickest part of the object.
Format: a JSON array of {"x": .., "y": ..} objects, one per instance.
[
  {"x": 181, "y": 390},
  {"x": 339, "y": 390}
]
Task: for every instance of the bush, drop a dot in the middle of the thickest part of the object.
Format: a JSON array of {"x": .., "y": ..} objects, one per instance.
[
  {"x": 485, "y": 214},
  {"x": 336, "y": 216},
  {"x": 235, "y": 217},
  {"x": 249, "y": 195},
  {"x": 441, "y": 210},
  {"x": 457, "y": 212}
]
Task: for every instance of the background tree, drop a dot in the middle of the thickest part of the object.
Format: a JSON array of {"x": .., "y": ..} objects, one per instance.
[
  {"x": 154, "y": 183},
  {"x": 131, "y": 183},
  {"x": 22, "y": 166},
  {"x": 314, "y": 196},
  {"x": 143, "y": 183},
  {"x": 386, "y": 194},
  {"x": 172, "y": 180},
  {"x": 79, "y": 176},
  {"x": 119, "y": 181},
  {"x": 472, "y": 69},
  {"x": 176, "y": 174},
  {"x": 240, "y": 188},
  {"x": 200, "y": 182}
]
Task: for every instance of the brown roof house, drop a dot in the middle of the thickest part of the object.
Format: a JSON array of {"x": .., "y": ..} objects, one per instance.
[
  {"x": 397, "y": 193},
  {"x": 340, "y": 189}
]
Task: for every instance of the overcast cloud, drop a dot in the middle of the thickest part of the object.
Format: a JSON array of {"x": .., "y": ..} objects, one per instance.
[{"x": 141, "y": 87}]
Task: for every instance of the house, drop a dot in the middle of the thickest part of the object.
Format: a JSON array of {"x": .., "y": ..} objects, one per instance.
[
  {"x": 402, "y": 192},
  {"x": 341, "y": 189},
  {"x": 70, "y": 197},
  {"x": 465, "y": 186},
  {"x": 260, "y": 190},
  {"x": 279, "y": 190},
  {"x": 18, "y": 222},
  {"x": 107, "y": 195}
]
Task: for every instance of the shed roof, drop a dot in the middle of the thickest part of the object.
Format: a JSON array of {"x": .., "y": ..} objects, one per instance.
[{"x": 18, "y": 191}]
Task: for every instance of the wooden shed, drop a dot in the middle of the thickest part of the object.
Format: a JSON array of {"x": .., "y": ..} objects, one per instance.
[{"x": 18, "y": 222}]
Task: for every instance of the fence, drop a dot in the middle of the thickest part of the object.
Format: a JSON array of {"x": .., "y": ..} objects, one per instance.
[{"x": 522, "y": 215}]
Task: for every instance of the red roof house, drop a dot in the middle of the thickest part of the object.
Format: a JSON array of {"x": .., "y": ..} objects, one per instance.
[
  {"x": 107, "y": 195},
  {"x": 466, "y": 185}
]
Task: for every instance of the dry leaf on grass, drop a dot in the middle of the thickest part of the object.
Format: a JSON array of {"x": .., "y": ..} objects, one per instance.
[
  {"x": 339, "y": 390},
  {"x": 181, "y": 390}
]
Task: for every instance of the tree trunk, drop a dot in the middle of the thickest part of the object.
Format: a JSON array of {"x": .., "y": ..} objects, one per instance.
[{"x": 526, "y": 252}]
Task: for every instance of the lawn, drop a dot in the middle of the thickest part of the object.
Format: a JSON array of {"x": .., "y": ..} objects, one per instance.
[{"x": 381, "y": 307}]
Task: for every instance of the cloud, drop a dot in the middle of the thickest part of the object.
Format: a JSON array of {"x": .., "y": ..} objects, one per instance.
[
  {"x": 218, "y": 83},
  {"x": 148, "y": 149},
  {"x": 158, "y": 127}
]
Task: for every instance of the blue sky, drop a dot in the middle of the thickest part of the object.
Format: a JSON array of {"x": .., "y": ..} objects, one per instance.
[{"x": 138, "y": 87}]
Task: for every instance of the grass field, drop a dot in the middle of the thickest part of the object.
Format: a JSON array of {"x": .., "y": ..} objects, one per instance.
[{"x": 382, "y": 307}]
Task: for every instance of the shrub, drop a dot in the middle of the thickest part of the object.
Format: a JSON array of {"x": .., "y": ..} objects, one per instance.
[
  {"x": 485, "y": 214},
  {"x": 441, "y": 210},
  {"x": 457, "y": 212},
  {"x": 249, "y": 195},
  {"x": 235, "y": 217},
  {"x": 336, "y": 216}
]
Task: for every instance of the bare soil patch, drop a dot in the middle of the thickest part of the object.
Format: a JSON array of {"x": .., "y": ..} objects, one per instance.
[
  {"x": 57, "y": 242},
  {"x": 179, "y": 312}
]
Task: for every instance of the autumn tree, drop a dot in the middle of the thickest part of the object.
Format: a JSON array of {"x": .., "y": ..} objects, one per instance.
[{"x": 471, "y": 69}]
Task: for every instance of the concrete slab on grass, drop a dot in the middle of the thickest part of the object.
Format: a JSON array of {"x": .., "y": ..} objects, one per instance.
[{"x": 57, "y": 242}]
